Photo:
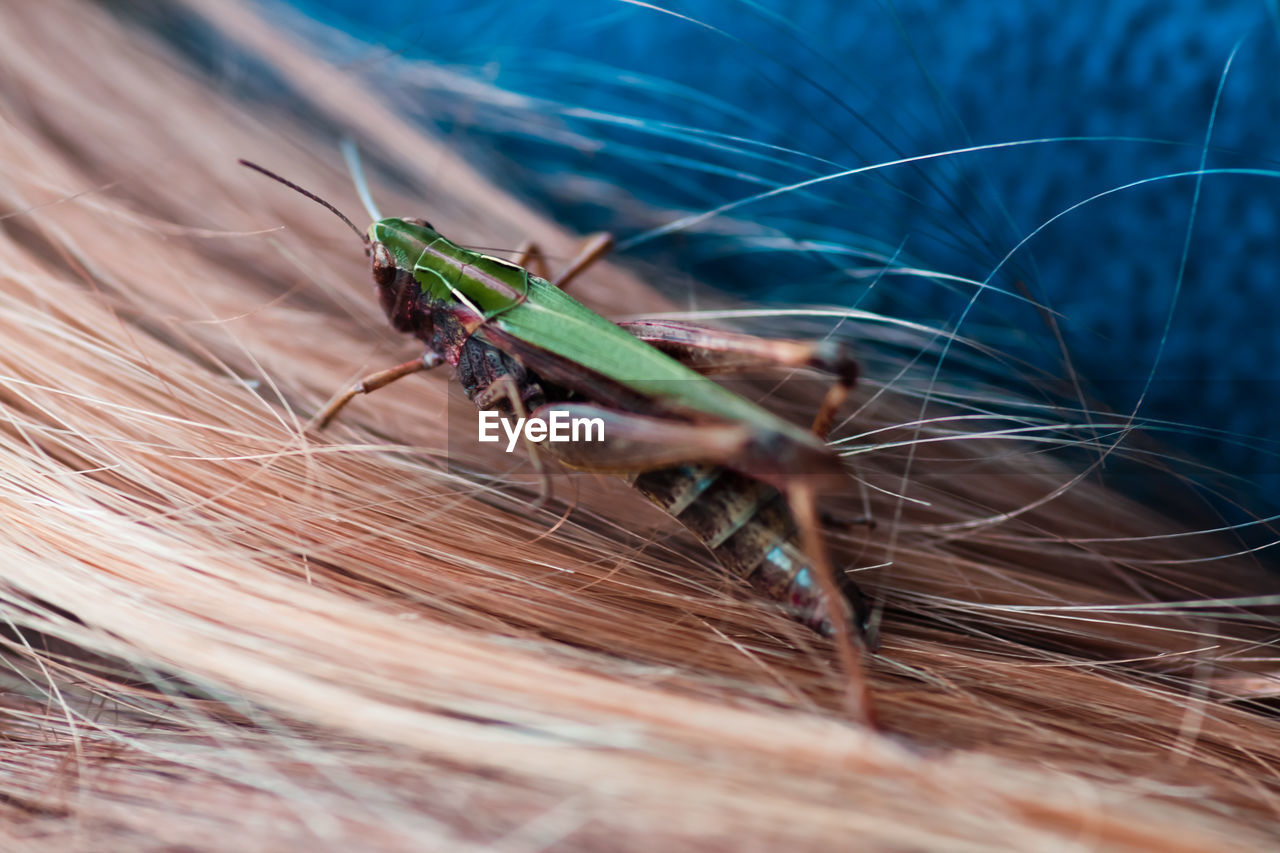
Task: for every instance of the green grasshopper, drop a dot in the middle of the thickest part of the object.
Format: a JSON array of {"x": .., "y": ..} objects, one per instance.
[{"x": 743, "y": 480}]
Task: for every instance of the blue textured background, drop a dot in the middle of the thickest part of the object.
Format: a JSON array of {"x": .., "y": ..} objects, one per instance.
[{"x": 860, "y": 82}]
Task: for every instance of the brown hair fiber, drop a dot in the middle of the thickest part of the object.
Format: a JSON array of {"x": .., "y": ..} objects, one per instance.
[{"x": 223, "y": 631}]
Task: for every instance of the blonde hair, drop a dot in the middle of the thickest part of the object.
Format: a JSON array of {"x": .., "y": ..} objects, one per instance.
[{"x": 227, "y": 632}]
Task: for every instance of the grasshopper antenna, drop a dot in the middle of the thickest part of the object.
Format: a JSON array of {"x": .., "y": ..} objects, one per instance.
[
  {"x": 351, "y": 154},
  {"x": 364, "y": 238}
]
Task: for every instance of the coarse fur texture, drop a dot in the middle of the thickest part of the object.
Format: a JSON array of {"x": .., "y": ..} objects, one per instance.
[
  {"x": 224, "y": 632},
  {"x": 1114, "y": 161}
]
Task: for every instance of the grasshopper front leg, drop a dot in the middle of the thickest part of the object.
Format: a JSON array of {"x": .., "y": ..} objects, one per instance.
[
  {"x": 634, "y": 443},
  {"x": 373, "y": 382}
]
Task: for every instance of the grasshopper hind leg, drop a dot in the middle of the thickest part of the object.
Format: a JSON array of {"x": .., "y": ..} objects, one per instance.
[
  {"x": 797, "y": 469},
  {"x": 712, "y": 351},
  {"x": 846, "y": 630}
]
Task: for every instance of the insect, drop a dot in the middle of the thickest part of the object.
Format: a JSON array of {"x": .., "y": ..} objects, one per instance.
[{"x": 742, "y": 479}]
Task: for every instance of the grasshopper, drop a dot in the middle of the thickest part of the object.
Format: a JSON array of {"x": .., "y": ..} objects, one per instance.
[{"x": 740, "y": 478}]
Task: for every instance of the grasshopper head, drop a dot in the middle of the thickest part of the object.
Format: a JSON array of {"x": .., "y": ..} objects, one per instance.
[
  {"x": 419, "y": 272},
  {"x": 394, "y": 247}
]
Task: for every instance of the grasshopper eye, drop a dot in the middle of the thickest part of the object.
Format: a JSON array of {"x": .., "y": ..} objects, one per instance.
[{"x": 384, "y": 265}]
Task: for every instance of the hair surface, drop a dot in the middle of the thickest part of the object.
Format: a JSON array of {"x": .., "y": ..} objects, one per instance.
[{"x": 224, "y": 631}]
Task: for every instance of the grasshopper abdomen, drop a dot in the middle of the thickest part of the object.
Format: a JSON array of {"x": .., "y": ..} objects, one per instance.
[{"x": 749, "y": 529}]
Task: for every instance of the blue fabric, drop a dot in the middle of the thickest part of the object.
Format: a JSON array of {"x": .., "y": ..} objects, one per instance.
[{"x": 848, "y": 84}]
